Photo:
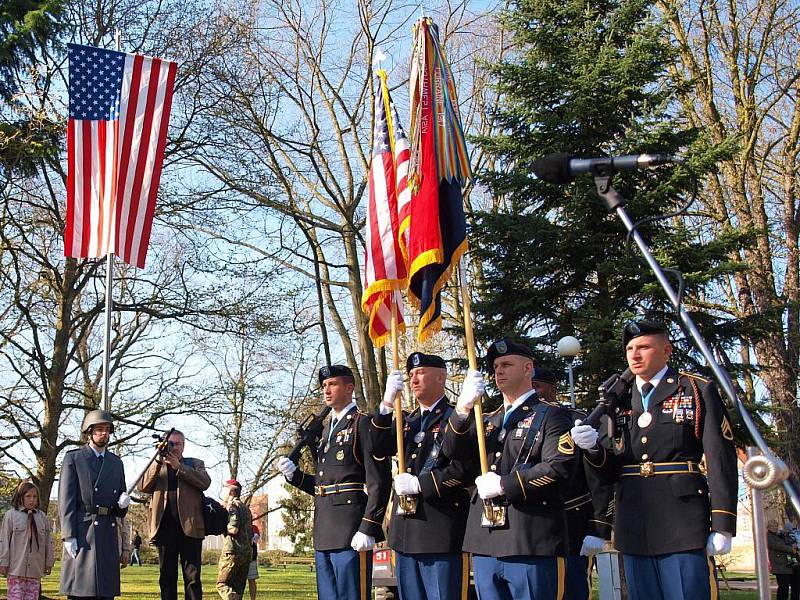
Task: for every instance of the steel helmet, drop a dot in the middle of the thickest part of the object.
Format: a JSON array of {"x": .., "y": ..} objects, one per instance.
[{"x": 96, "y": 417}]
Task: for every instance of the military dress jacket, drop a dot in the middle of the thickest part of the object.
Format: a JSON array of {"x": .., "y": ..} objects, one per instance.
[
  {"x": 351, "y": 481},
  {"x": 664, "y": 502},
  {"x": 532, "y": 479},
  {"x": 588, "y": 501},
  {"x": 88, "y": 491},
  {"x": 443, "y": 502}
]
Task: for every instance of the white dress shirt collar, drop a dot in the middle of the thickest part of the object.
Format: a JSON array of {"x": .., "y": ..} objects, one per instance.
[{"x": 655, "y": 379}]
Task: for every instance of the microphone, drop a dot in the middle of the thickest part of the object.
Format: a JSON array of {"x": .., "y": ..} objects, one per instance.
[{"x": 562, "y": 168}]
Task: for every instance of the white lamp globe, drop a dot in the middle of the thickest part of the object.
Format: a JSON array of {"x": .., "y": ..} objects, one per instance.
[{"x": 569, "y": 347}]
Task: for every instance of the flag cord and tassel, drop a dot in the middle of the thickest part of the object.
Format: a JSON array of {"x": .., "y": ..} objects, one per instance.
[{"x": 493, "y": 514}]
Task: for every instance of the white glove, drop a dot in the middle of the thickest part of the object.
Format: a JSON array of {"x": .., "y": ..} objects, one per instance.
[
  {"x": 406, "y": 484},
  {"x": 394, "y": 386},
  {"x": 489, "y": 486},
  {"x": 592, "y": 545},
  {"x": 473, "y": 388},
  {"x": 124, "y": 501},
  {"x": 286, "y": 467},
  {"x": 71, "y": 546},
  {"x": 584, "y": 436},
  {"x": 362, "y": 542},
  {"x": 719, "y": 542}
]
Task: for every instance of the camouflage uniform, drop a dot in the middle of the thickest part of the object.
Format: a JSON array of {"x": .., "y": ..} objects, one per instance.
[{"x": 234, "y": 560}]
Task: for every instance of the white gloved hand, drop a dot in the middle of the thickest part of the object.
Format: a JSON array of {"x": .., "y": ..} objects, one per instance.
[
  {"x": 719, "y": 542},
  {"x": 592, "y": 545},
  {"x": 286, "y": 467},
  {"x": 489, "y": 486},
  {"x": 406, "y": 484},
  {"x": 394, "y": 386},
  {"x": 362, "y": 542},
  {"x": 584, "y": 436},
  {"x": 71, "y": 546},
  {"x": 124, "y": 501},
  {"x": 473, "y": 388}
]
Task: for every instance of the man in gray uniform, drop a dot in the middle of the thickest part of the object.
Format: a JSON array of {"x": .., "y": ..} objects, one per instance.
[{"x": 91, "y": 495}]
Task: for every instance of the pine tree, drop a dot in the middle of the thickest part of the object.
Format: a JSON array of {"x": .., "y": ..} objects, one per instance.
[{"x": 585, "y": 78}]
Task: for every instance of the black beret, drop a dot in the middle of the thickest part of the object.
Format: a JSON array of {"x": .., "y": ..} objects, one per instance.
[
  {"x": 419, "y": 359},
  {"x": 505, "y": 347},
  {"x": 543, "y": 375},
  {"x": 634, "y": 329},
  {"x": 334, "y": 371}
]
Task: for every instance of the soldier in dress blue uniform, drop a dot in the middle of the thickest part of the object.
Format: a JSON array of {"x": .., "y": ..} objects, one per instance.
[
  {"x": 350, "y": 486},
  {"x": 670, "y": 516},
  {"x": 520, "y": 554},
  {"x": 588, "y": 502},
  {"x": 429, "y": 563}
]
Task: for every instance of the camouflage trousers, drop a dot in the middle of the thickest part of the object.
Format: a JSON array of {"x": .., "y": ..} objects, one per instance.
[{"x": 232, "y": 576}]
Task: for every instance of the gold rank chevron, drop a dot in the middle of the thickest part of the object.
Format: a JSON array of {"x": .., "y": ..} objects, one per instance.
[{"x": 565, "y": 444}]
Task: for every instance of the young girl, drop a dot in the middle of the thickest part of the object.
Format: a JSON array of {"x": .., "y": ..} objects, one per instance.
[{"x": 26, "y": 544}]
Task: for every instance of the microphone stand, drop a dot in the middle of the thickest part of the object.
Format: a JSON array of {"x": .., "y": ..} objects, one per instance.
[{"x": 760, "y": 471}]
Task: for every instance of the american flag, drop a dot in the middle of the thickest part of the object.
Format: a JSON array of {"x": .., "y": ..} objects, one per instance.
[
  {"x": 385, "y": 269},
  {"x": 119, "y": 107}
]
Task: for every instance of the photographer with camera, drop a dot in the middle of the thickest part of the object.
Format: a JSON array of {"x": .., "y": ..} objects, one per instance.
[
  {"x": 177, "y": 484},
  {"x": 782, "y": 558}
]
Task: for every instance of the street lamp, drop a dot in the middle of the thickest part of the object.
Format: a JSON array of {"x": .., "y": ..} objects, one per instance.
[{"x": 569, "y": 347}]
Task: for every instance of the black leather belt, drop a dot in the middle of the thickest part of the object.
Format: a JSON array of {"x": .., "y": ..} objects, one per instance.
[
  {"x": 338, "y": 488},
  {"x": 649, "y": 469}
]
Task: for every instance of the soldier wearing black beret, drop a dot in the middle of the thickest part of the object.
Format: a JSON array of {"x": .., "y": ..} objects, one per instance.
[
  {"x": 530, "y": 455},
  {"x": 350, "y": 486},
  {"x": 670, "y": 514},
  {"x": 429, "y": 562}
]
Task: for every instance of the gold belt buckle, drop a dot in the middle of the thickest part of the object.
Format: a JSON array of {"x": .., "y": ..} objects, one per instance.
[
  {"x": 102, "y": 511},
  {"x": 320, "y": 490},
  {"x": 646, "y": 469}
]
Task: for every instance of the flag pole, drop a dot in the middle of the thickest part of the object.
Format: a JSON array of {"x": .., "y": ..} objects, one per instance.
[
  {"x": 109, "y": 300},
  {"x": 469, "y": 334}
]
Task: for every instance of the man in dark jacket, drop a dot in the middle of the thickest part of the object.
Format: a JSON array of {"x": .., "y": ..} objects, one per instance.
[
  {"x": 91, "y": 495},
  {"x": 519, "y": 552},
  {"x": 350, "y": 485},
  {"x": 670, "y": 516},
  {"x": 429, "y": 563}
]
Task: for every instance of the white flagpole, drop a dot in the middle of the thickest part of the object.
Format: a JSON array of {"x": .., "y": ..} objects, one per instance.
[{"x": 109, "y": 304}]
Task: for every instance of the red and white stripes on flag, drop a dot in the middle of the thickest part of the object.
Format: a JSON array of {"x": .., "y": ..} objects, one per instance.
[
  {"x": 402, "y": 156},
  {"x": 119, "y": 114},
  {"x": 385, "y": 271}
]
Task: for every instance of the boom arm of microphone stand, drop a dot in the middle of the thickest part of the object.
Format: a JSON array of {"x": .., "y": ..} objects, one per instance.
[{"x": 614, "y": 202}]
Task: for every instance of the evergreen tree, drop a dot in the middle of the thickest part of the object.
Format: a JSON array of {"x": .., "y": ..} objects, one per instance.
[{"x": 585, "y": 78}]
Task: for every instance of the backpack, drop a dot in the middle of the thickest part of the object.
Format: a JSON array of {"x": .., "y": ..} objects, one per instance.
[{"x": 215, "y": 516}]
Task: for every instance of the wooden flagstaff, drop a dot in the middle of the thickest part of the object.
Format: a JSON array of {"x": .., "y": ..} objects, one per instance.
[
  {"x": 398, "y": 399},
  {"x": 469, "y": 334}
]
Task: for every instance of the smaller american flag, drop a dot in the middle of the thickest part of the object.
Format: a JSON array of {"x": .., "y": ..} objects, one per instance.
[
  {"x": 119, "y": 106},
  {"x": 402, "y": 155},
  {"x": 385, "y": 269}
]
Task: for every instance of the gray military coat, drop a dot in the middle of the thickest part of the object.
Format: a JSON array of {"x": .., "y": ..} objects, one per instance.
[{"x": 88, "y": 491}]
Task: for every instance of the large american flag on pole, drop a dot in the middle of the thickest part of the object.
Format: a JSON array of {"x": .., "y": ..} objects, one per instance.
[
  {"x": 119, "y": 106},
  {"x": 385, "y": 271}
]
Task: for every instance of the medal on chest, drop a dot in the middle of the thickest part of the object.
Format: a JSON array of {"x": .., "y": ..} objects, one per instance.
[{"x": 644, "y": 419}]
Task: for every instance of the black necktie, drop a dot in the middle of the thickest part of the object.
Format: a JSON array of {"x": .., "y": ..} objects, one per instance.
[
  {"x": 646, "y": 389},
  {"x": 333, "y": 426}
]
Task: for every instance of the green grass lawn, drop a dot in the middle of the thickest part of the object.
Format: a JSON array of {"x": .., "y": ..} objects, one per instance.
[
  {"x": 293, "y": 583},
  {"x": 141, "y": 583}
]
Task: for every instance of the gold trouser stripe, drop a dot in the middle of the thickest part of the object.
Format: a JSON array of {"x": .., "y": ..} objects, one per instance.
[
  {"x": 712, "y": 580},
  {"x": 465, "y": 569},
  {"x": 362, "y": 567},
  {"x": 562, "y": 574},
  {"x": 589, "y": 571}
]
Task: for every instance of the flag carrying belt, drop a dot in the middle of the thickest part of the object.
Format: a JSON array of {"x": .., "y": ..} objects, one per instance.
[{"x": 338, "y": 488}]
